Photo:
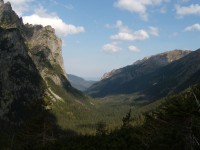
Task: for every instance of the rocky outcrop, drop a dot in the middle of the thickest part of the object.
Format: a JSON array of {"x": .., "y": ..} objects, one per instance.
[
  {"x": 32, "y": 70},
  {"x": 46, "y": 51},
  {"x": 8, "y": 18},
  {"x": 44, "y": 47},
  {"x": 44, "y": 44}
]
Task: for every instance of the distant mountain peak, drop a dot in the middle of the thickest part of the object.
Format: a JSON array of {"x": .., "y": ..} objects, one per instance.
[
  {"x": 130, "y": 78},
  {"x": 8, "y": 17},
  {"x": 165, "y": 57},
  {"x": 154, "y": 61}
]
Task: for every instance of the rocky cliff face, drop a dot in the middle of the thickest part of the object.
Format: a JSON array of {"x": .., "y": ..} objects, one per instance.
[
  {"x": 45, "y": 48},
  {"x": 32, "y": 70},
  {"x": 44, "y": 44},
  {"x": 8, "y": 18},
  {"x": 46, "y": 51}
]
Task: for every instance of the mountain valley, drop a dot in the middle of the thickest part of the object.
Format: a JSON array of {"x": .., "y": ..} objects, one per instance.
[
  {"x": 152, "y": 104},
  {"x": 79, "y": 83}
]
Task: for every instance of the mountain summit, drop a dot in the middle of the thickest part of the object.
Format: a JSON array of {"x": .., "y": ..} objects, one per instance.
[{"x": 32, "y": 76}]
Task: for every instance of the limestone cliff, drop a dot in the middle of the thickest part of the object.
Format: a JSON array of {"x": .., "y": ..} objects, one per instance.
[
  {"x": 46, "y": 51},
  {"x": 32, "y": 67},
  {"x": 44, "y": 44},
  {"x": 8, "y": 18}
]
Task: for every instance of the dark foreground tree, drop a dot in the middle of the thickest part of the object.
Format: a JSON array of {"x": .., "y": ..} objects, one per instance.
[
  {"x": 127, "y": 120},
  {"x": 101, "y": 128}
]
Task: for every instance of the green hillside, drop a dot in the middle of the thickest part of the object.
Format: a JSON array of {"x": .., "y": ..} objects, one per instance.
[{"x": 172, "y": 125}]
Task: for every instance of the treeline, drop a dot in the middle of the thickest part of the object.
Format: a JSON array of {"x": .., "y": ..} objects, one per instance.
[{"x": 174, "y": 125}]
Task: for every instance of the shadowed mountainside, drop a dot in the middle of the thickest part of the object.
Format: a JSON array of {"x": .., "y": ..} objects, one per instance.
[{"x": 152, "y": 77}]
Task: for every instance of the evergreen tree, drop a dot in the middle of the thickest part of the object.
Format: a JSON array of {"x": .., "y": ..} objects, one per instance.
[{"x": 127, "y": 120}]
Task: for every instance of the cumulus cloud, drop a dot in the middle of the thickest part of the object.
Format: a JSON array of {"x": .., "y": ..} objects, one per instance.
[
  {"x": 137, "y": 35},
  {"x": 122, "y": 27},
  {"x": 193, "y": 9},
  {"x": 133, "y": 49},
  {"x": 20, "y": 6},
  {"x": 41, "y": 16},
  {"x": 195, "y": 27},
  {"x": 111, "y": 47},
  {"x": 137, "y": 6},
  {"x": 127, "y": 34},
  {"x": 119, "y": 25},
  {"x": 154, "y": 31}
]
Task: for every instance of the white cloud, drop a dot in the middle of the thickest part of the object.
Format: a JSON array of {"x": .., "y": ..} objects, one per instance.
[
  {"x": 137, "y": 35},
  {"x": 119, "y": 25},
  {"x": 41, "y": 16},
  {"x": 193, "y": 9},
  {"x": 122, "y": 27},
  {"x": 138, "y": 6},
  {"x": 20, "y": 6},
  {"x": 111, "y": 47},
  {"x": 195, "y": 27},
  {"x": 153, "y": 31},
  {"x": 127, "y": 34},
  {"x": 122, "y": 36},
  {"x": 133, "y": 49}
]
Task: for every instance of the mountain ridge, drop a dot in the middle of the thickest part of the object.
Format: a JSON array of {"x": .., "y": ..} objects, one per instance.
[
  {"x": 125, "y": 80},
  {"x": 160, "y": 59}
]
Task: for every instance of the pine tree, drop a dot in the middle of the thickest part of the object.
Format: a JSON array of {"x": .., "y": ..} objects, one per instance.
[{"x": 127, "y": 120}]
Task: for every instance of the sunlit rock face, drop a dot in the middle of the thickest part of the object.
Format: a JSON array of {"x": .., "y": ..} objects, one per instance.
[{"x": 30, "y": 56}]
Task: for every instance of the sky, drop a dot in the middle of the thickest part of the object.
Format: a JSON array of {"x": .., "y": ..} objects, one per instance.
[{"x": 101, "y": 35}]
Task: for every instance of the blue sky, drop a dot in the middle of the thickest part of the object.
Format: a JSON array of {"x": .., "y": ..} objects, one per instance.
[{"x": 102, "y": 35}]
